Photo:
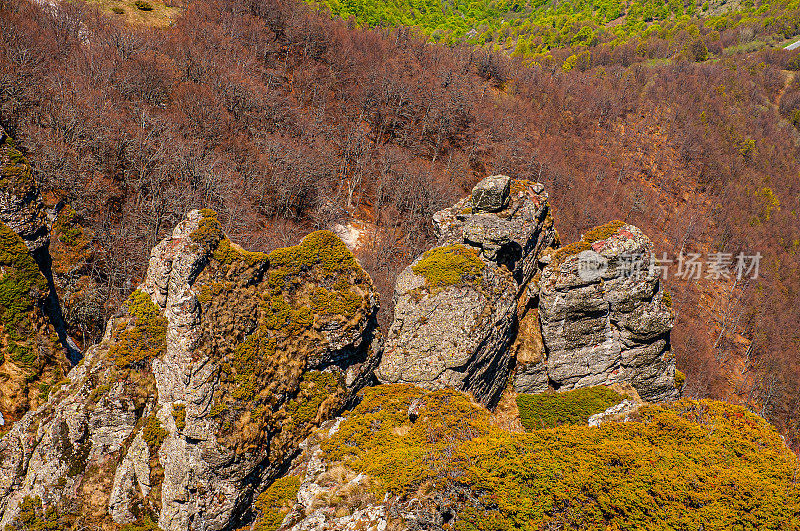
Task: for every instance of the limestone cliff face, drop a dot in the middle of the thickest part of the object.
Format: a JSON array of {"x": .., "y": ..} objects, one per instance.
[
  {"x": 205, "y": 382},
  {"x": 456, "y": 305},
  {"x": 604, "y": 317}
]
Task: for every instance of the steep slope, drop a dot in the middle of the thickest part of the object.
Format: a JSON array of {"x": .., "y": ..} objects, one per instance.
[{"x": 211, "y": 373}]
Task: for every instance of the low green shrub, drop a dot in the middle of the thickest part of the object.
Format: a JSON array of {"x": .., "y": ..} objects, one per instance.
[
  {"x": 274, "y": 504},
  {"x": 153, "y": 434},
  {"x": 677, "y": 466},
  {"x": 143, "y": 6},
  {"x": 547, "y": 410}
]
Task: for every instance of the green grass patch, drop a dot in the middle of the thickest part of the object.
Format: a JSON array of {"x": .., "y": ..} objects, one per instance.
[
  {"x": 449, "y": 266},
  {"x": 548, "y": 410}
]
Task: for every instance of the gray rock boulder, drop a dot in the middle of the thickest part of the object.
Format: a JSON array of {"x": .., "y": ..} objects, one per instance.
[
  {"x": 604, "y": 315},
  {"x": 206, "y": 381},
  {"x": 456, "y": 305},
  {"x": 491, "y": 194}
]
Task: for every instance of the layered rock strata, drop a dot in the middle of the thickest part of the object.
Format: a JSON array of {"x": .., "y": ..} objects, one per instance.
[{"x": 605, "y": 316}]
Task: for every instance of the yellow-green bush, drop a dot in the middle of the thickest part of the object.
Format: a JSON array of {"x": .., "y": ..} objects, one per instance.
[
  {"x": 209, "y": 232},
  {"x": 315, "y": 388},
  {"x": 274, "y": 504},
  {"x": 449, "y": 265},
  {"x": 682, "y": 465},
  {"x": 33, "y": 517},
  {"x": 153, "y": 434},
  {"x": 680, "y": 379},
  {"x": 547, "y": 410},
  {"x": 179, "y": 414},
  {"x": 145, "y": 337}
]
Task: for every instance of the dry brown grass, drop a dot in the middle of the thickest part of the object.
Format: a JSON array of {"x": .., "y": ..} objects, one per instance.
[
  {"x": 506, "y": 414},
  {"x": 162, "y": 15}
]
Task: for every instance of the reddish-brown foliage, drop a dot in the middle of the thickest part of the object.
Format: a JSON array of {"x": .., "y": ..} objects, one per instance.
[{"x": 283, "y": 121}]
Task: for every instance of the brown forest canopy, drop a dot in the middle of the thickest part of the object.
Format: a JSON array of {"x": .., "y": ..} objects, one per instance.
[{"x": 284, "y": 120}]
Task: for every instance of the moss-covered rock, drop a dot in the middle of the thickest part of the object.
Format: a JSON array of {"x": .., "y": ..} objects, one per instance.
[
  {"x": 145, "y": 338},
  {"x": 455, "y": 312},
  {"x": 31, "y": 358},
  {"x": 21, "y": 206},
  {"x": 209, "y": 376}
]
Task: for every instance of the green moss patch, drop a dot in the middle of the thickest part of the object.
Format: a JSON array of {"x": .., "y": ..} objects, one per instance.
[
  {"x": 547, "y": 410},
  {"x": 227, "y": 253},
  {"x": 146, "y": 336},
  {"x": 20, "y": 283},
  {"x": 677, "y": 466},
  {"x": 449, "y": 266},
  {"x": 322, "y": 248},
  {"x": 274, "y": 504}
]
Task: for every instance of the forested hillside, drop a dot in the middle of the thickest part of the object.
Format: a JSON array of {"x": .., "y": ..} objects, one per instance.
[
  {"x": 655, "y": 29},
  {"x": 284, "y": 120}
]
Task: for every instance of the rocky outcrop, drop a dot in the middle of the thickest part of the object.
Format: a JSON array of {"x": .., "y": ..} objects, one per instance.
[
  {"x": 604, "y": 316},
  {"x": 456, "y": 305},
  {"x": 204, "y": 384}
]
